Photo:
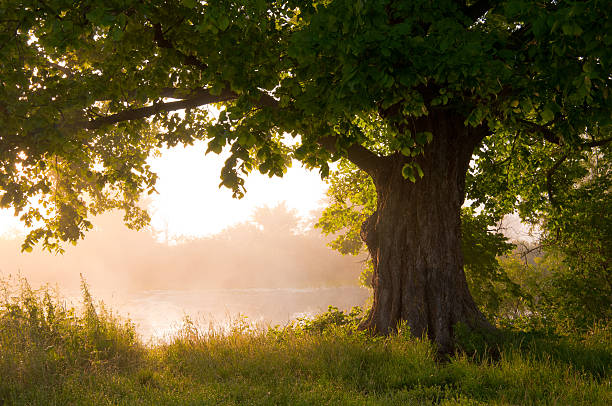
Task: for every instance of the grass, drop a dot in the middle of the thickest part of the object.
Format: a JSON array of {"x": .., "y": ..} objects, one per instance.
[{"x": 51, "y": 354}]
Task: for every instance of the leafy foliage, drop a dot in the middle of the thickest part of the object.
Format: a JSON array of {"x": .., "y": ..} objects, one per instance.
[
  {"x": 90, "y": 90},
  {"x": 353, "y": 200},
  {"x": 489, "y": 282},
  {"x": 579, "y": 231},
  {"x": 331, "y": 319},
  {"x": 567, "y": 195}
]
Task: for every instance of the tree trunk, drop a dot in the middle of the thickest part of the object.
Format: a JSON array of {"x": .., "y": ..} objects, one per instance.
[{"x": 414, "y": 238}]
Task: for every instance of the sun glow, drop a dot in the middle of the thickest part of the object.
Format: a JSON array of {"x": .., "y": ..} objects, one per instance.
[{"x": 190, "y": 203}]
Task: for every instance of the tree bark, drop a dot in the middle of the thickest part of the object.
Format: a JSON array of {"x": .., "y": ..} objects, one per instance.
[{"x": 414, "y": 237}]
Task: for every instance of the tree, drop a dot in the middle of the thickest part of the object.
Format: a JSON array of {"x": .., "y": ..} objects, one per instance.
[
  {"x": 578, "y": 235},
  {"x": 404, "y": 90},
  {"x": 353, "y": 199}
]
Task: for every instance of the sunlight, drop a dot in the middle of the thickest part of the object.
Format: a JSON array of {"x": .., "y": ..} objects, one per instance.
[
  {"x": 10, "y": 226},
  {"x": 190, "y": 203}
]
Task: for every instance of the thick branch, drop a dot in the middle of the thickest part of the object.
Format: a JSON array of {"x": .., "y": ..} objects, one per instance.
[
  {"x": 546, "y": 132},
  {"x": 598, "y": 143},
  {"x": 188, "y": 99},
  {"x": 200, "y": 98},
  {"x": 263, "y": 99},
  {"x": 551, "y": 137},
  {"x": 356, "y": 153},
  {"x": 63, "y": 69},
  {"x": 479, "y": 133}
]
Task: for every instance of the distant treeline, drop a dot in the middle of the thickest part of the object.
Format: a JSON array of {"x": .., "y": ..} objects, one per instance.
[{"x": 274, "y": 250}]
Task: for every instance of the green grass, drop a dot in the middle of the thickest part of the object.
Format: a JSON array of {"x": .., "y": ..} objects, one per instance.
[{"x": 53, "y": 355}]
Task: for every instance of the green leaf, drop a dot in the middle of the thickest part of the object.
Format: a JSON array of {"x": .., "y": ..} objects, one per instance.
[
  {"x": 547, "y": 114},
  {"x": 408, "y": 173},
  {"x": 419, "y": 170},
  {"x": 571, "y": 29},
  {"x": 116, "y": 34},
  {"x": 223, "y": 22},
  {"x": 214, "y": 147},
  {"x": 423, "y": 138}
]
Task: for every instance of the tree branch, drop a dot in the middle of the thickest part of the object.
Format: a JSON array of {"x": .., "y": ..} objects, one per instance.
[
  {"x": 200, "y": 98},
  {"x": 551, "y": 137},
  {"x": 546, "y": 132},
  {"x": 63, "y": 69},
  {"x": 263, "y": 99},
  {"x": 356, "y": 153},
  {"x": 597, "y": 143},
  {"x": 187, "y": 99}
]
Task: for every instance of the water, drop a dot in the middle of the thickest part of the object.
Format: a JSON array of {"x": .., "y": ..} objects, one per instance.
[{"x": 160, "y": 313}]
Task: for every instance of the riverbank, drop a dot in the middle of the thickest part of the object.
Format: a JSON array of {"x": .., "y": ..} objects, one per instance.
[{"x": 54, "y": 355}]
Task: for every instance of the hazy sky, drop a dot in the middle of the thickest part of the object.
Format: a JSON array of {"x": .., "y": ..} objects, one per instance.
[{"x": 191, "y": 204}]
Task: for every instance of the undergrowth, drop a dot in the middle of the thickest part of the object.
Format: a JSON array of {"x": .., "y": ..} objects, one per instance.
[{"x": 52, "y": 353}]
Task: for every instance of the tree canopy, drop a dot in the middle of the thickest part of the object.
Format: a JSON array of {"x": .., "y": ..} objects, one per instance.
[{"x": 90, "y": 89}]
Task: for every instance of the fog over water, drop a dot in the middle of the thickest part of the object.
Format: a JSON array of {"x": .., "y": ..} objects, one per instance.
[{"x": 271, "y": 269}]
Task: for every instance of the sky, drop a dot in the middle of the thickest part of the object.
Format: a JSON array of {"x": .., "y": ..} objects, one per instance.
[{"x": 190, "y": 203}]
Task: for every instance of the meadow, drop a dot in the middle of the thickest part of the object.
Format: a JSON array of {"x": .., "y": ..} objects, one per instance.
[{"x": 55, "y": 354}]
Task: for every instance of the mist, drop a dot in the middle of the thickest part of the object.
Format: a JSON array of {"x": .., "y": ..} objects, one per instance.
[
  {"x": 273, "y": 251},
  {"x": 282, "y": 265}
]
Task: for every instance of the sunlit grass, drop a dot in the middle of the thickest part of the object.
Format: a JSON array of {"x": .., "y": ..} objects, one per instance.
[{"x": 51, "y": 353}]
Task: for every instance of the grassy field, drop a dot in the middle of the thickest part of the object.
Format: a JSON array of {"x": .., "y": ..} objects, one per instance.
[{"x": 54, "y": 355}]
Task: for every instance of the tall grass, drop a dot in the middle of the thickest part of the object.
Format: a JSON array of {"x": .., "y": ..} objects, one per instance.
[
  {"x": 51, "y": 353},
  {"x": 42, "y": 340}
]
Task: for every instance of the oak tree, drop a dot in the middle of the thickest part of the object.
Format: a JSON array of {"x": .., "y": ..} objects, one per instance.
[{"x": 90, "y": 89}]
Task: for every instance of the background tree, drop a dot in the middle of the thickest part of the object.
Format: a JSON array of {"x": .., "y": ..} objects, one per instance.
[
  {"x": 86, "y": 88},
  {"x": 572, "y": 269}
]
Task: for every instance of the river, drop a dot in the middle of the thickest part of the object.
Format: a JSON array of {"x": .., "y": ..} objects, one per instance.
[{"x": 158, "y": 314}]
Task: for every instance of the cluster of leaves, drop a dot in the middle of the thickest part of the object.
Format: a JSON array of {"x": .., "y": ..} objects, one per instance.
[
  {"x": 68, "y": 68},
  {"x": 566, "y": 193},
  {"x": 331, "y": 319},
  {"x": 580, "y": 231},
  {"x": 490, "y": 283},
  {"x": 571, "y": 279}
]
